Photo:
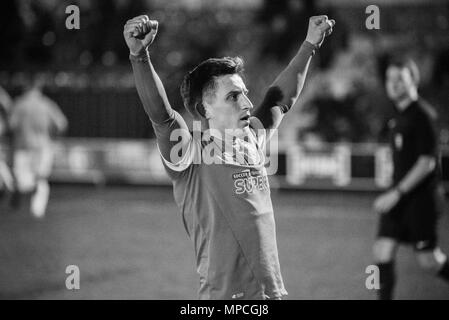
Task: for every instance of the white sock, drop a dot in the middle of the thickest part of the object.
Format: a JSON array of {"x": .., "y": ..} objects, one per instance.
[{"x": 39, "y": 200}]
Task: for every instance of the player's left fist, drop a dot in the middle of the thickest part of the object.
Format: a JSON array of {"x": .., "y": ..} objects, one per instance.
[
  {"x": 319, "y": 28},
  {"x": 387, "y": 201}
]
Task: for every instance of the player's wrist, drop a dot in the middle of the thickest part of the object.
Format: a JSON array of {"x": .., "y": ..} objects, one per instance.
[
  {"x": 141, "y": 56},
  {"x": 308, "y": 45}
]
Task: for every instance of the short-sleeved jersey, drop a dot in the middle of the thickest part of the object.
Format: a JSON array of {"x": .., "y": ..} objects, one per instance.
[
  {"x": 227, "y": 212},
  {"x": 412, "y": 134}
]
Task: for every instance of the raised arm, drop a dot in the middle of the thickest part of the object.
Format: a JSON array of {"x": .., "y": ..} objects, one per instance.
[
  {"x": 139, "y": 33},
  {"x": 284, "y": 91}
]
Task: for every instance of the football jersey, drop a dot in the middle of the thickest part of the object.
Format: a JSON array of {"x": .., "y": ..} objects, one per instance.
[
  {"x": 412, "y": 134},
  {"x": 222, "y": 189}
]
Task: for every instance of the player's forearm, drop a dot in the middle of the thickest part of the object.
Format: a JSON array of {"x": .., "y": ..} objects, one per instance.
[
  {"x": 59, "y": 120},
  {"x": 151, "y": 90},
  {"x": 422, "y": 168},
  {"x": 284, "y": 91},
  {"x": 291, "y": 80}
]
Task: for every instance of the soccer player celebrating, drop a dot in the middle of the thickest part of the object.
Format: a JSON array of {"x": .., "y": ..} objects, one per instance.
[
  {"x": 225, "y": 202},
  {"x": 410, "y": 209}
]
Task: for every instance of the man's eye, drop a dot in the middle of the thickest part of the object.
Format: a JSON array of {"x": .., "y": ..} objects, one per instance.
[{"x": 234, "y": 96}]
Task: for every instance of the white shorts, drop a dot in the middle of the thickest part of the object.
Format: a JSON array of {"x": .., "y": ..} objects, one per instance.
[{"x": 31, "y": 165}]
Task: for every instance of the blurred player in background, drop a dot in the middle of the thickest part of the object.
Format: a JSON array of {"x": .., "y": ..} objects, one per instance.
[
  {"x": 6, "y": 181},
  {"x": 226, "y": 206},
  {"x": 409, "y": 210},
  {"x": 35, "y": 119}
]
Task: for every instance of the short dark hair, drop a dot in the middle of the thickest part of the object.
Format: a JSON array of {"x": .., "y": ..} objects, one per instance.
[
  {"x": 202, "y": 78},
  {"x": 409, "y": 64}
]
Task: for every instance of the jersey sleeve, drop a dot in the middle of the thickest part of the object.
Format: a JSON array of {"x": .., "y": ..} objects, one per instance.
[
  {"x": 426, "y": 140},
  {"x": 181, "y": 157}
]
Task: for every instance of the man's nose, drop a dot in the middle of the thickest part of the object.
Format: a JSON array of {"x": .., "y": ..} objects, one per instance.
[{"x": 247, "y": 104}]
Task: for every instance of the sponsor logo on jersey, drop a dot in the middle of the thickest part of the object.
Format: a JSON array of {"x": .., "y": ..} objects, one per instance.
[{"x": 249, "y": 181}]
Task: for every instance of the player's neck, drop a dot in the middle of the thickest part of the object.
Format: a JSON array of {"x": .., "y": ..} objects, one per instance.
[
  {"x": 226, "y": 134},
  {"x": 405, "y": 102}
]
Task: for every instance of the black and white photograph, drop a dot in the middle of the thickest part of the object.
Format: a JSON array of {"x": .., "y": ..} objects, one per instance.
[{"x": 225, "y": 150}]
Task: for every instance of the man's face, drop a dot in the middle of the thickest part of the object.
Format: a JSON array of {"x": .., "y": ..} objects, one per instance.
[
  {"x": 229, "y": 107},
  {"x": 399, "y": 83}
]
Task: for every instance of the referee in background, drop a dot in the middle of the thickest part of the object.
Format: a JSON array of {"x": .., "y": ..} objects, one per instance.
[{"x": 409, "y": 210}]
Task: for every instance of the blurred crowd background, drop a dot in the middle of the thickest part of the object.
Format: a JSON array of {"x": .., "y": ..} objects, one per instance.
[{"x": 88, "y": 74}]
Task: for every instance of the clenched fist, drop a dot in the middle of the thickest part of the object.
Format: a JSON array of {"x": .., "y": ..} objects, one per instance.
[
  {"x": 139, "y": 33},
  {"x": 319, "y": 28}
]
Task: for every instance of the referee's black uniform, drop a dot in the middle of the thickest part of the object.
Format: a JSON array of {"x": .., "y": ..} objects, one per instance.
[{"x": 414, "y": 219}]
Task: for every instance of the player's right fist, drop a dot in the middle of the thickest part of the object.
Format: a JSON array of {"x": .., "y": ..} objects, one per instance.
[{"x": 139, "y": 33}]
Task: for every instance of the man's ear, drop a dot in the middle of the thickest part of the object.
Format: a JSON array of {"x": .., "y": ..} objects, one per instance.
[{"x": 201, "y": 110}]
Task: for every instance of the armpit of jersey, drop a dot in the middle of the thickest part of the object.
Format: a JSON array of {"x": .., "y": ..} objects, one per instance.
[
  {"x": 185, "y": 161},
  {"x": 259, "y": 131}
]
